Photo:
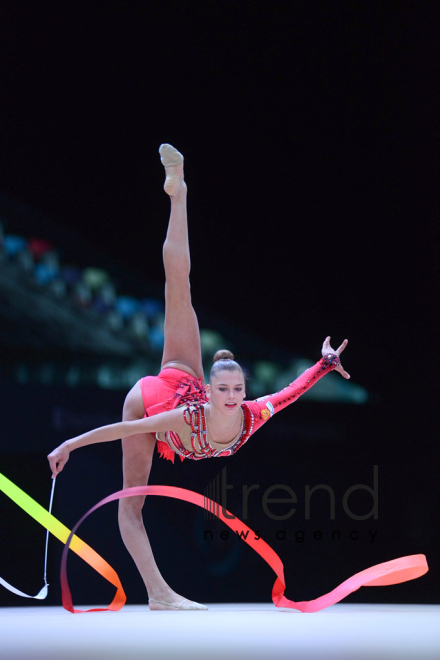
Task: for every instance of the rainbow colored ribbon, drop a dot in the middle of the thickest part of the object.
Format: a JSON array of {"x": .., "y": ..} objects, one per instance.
[{"x": 390, "y": 572}]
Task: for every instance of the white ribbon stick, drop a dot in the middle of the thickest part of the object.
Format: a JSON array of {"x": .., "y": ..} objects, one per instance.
[{"x": 42, "y": 594}]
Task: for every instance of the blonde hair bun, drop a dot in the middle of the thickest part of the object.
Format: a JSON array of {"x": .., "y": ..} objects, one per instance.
[{"x": 223, "y": 355}]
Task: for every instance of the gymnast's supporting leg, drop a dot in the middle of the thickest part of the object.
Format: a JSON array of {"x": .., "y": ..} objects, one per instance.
[
  {"x": 137, "y": 458},
  {"x": 181, "y": 350}
]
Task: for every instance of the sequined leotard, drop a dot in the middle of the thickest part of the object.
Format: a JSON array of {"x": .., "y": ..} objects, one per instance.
[{"x": 173, "y": 388}]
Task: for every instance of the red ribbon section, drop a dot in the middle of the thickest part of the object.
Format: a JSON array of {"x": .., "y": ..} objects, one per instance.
[{"x": 390, "y": 572}]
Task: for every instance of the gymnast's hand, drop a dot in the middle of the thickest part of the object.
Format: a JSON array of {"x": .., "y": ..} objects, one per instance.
[
  {"x": 58, "y": 459},
  {"x": 326, "y": 349}
]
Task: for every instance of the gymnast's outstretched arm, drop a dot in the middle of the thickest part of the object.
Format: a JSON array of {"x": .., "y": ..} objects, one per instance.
[
  {"x": 264, "y": 407},
  {"x": 167, "y": 421}
]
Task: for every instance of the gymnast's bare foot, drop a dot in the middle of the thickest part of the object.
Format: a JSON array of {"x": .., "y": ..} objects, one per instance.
[
  {"x": 173, "y": 601},
  {"x": 172, "y": 160}
]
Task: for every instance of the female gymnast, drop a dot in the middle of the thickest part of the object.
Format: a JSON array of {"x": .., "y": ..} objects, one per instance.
[{"x": 175, "y": 408}]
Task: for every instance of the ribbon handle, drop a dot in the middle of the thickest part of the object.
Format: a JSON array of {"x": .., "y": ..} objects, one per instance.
[
  {"x": 42, "y": 594},
  {"x": 62, "y": 533}
]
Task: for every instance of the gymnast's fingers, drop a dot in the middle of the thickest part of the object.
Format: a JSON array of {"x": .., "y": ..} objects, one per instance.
[
  {"x": 342, "y": 347},
  {"x": 342, "y": 371},
  {"x": 326, "y": 345},
  {"x": 52, "y": 465},
  {"x": 57, "y": 462}
]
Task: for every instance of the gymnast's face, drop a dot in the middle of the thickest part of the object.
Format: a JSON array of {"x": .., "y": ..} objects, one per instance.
[{"x": 227, "y": 390}]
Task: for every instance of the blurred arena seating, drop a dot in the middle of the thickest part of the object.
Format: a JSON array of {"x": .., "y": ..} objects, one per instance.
[{"x": 66, "y": 323}]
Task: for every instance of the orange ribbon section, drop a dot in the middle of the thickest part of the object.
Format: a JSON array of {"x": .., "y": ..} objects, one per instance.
[{"x": 390, "y": 572}]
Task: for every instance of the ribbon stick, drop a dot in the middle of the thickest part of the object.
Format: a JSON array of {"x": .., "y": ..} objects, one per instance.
[
  {"x": 42, "y": 594},
  {"x": 390, "y": 572},
  {"x": 62, "y": 533}
]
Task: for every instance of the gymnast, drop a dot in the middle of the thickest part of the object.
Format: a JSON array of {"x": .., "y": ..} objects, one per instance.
[{"x": 175, "y": 409}]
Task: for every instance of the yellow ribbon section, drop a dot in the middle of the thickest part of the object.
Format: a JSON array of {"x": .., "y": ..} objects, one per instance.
[{"x": 59, "y": 530}]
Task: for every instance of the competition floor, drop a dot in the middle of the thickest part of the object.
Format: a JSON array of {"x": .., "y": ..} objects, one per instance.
[{"x": 243, "y": 631}]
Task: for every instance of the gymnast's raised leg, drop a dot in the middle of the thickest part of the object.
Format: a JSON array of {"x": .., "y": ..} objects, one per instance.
[{"x": 181, "y": 351}]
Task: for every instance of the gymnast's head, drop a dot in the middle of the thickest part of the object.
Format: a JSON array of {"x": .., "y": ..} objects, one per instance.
[{"x": 227, "y": 383}]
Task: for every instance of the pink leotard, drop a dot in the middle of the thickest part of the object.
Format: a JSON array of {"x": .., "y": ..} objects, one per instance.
[{"x": 172, "y": 388}]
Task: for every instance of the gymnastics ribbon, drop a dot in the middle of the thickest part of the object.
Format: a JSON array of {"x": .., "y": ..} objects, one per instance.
[
  {"x": 390, "y": 572},
  {"x": 62, "y": 533}
]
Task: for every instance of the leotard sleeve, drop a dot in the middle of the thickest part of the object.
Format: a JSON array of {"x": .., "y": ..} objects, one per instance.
[{"x": 266, "y": 406}]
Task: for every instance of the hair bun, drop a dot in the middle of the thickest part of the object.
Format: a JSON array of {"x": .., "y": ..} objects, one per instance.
[{"x": 223, "y": 355}]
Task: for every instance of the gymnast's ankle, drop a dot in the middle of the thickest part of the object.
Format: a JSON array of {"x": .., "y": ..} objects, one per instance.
[{"x": 181, "y": 193}]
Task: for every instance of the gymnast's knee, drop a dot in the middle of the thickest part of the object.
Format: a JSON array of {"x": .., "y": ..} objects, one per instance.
[{"x": 130, "y": 508}]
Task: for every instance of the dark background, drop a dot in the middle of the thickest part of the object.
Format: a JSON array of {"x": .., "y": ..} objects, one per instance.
[{"x": 310, "y": 135}]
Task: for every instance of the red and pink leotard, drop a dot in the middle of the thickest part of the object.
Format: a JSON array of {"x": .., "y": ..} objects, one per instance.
[{"x": 172, "y": 388}]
